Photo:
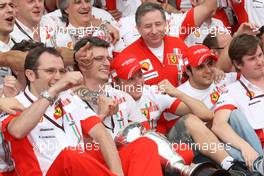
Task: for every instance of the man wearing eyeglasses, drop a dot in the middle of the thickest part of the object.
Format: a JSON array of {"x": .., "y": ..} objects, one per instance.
[
  {"x": 114, "y": 107},
  {"x": 47, "y": 138}
]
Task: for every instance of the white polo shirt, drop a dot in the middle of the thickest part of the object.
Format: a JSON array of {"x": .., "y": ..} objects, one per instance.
[
  {"x": 22, "y": 32},
  {"x": 62, "y": 126},
  {"x": 152, "y": 103},
  {"x": 210, "y": 95},
  {"x": 126, "y": 110},
  {"x": 236, "y": 97}
]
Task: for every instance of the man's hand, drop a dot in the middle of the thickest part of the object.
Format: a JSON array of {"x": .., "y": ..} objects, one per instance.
[
  {"x": 10, "y": 89},
  {"x": 68, "y": 81},
  {"x": 113, "y": 32},
  {"x": 249, "y": 155},
  {"x": 218, "y": 75},
  {"x": 84, "y": 56},
  {"x": 10, "y": 105},
  {"x": 106, "y": 106},
  {"x": 247, "y": 28},
  {"x": 116, "y": 14},
  {"x": 166, "y": 87}
]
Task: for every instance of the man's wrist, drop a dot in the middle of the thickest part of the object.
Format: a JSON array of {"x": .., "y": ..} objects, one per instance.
[{"x": 45, "y": 94}]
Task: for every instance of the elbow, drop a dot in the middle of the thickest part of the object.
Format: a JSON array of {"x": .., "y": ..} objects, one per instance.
[{"x": 16, "y": 133}]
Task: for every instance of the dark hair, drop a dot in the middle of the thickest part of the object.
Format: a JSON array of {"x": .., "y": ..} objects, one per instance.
[
  {"x": 93, "y": 41},
  {"x": 32, "y": 58},
  {"x": 211, "y": 41},
  {"x": 148, "y": 7},
  {"x": 242, "y": 45},
  {"x": 27, "y": 45}
]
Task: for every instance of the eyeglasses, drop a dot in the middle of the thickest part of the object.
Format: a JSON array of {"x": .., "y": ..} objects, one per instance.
[{"x": 53, "y": 71}]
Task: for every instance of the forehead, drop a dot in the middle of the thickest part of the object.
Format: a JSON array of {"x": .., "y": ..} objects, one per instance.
[
  {"x": 49, "y": 60},
  {"x": 151, "y": 16},
  {"x": 99, "y": 51}
]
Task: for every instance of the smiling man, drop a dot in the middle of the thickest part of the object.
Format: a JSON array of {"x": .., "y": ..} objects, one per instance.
[{"x": 29, "y": 14}]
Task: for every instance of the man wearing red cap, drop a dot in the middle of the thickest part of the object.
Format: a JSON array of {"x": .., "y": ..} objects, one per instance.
[
  {"x": 200, "y": 65},
  {"x": 127, "y": 75}
]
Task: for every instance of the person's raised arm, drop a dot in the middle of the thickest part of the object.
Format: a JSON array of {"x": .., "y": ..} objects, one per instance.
[
  {"x": 189, "y": 104},
  {"x": 204, "y": 11},
  {"x": 20, "y": 126}
]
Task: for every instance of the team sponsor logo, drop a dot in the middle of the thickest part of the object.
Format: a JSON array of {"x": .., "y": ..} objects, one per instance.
[
  {"x": 150, "y": 75},
  {"x": 214, "y": 97},
  {"x": 146, "y": 65},
  {"x": 172, "y": 59},
  {"x": 58, "y": 112}
]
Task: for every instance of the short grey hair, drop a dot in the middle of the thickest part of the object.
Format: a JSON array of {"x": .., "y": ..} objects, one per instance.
[{"x": 148, "y": 7}]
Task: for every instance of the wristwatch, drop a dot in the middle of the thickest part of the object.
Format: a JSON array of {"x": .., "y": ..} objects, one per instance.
[{"x": 45, "y": 94}]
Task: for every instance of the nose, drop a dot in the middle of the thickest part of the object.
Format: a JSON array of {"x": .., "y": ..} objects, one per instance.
[
  {"x": 10, "y": 9},
  {"x": 154, "y": 29},
  {"x": 207, "y": 69},
  {"x": 38, "y": 3}
]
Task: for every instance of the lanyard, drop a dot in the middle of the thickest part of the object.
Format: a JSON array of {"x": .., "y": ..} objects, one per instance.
[
  {"x": 47, "y": 117},
  {"x": 23, "y": 31},
  {"x": 112, "y": 119},
  {"x": 248, "y": 92}
]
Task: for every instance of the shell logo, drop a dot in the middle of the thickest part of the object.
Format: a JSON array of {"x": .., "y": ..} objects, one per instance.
[{"x": 145, "y": 66}]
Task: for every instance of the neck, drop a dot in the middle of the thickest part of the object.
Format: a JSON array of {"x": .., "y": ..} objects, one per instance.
[
  {"x": 30, "y": 25},
  {"x": 4, "y": 37},
  {"x": 34, "y": 91},
  {"x": 94, "y": 85},
  {"x": 198, "y": 86},
  {"x": 208, "y": 21}
]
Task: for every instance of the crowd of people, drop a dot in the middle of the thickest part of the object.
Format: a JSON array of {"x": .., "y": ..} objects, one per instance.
[{"x": 75, "y": 73}]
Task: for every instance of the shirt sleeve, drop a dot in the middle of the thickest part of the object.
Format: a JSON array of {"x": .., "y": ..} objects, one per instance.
[
  {"x": 5, "y": 123},
  {"x": 225, "y": 101}
]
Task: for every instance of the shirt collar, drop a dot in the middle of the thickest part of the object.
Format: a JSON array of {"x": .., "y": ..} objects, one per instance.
[
  {"x": 6, "y": 47},
  {"x": 248, "y": 84},
  {"x": 30, "y": 95},
  {"x": 25, "y": 28}
]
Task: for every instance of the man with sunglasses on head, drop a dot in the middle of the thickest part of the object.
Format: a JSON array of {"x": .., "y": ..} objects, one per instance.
[{"x": 113, "y": 106}]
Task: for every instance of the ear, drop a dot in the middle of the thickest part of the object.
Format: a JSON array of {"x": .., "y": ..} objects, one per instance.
[
  {"x": 187, "y": 71},
  {"x": 30, "y": 74},
  {"x": 238, "y": 66}
]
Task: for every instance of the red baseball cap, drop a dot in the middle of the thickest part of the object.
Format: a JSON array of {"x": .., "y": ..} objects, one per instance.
[
  {"x": 124, "y": 66},
  {"x": 197, "y": 54}
]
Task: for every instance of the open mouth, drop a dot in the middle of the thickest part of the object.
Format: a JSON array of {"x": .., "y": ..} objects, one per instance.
[{"x": 10, "y": 19}]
